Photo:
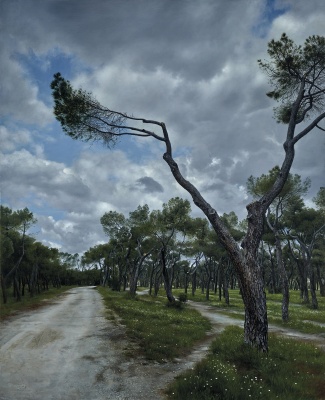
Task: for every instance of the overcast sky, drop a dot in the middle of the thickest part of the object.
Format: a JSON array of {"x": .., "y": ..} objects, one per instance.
[{"x": 189, "y": 63}]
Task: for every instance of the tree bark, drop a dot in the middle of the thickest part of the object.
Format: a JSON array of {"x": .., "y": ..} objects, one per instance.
[
  {"x": 321, "y": 281},
  {"x": 245, "y": 261},
  {"x": 283, "y": 278},
  {"x": 167, "y": 281}
]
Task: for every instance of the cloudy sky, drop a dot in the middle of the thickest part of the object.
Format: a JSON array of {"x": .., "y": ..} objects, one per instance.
[{"x": 189, "y": 63}]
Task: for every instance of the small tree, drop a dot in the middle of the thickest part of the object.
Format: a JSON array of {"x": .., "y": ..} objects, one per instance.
[{"x": 298, "y": 77}]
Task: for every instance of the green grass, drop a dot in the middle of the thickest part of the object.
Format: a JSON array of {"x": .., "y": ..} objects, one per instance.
[
  {"x": 233, "y": 370},
  {"x": 300, "y": 314},
  {"x": 162, "y": 332},
  {"x": 28, "y": 303}
]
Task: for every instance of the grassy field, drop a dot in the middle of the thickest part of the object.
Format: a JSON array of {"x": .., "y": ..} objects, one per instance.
[
  {"x": 291, "y": 370},
  {"x": 302, "y": 317},
  {"x": 28, "y": 303},
  {"x": 163, "y": 332}
]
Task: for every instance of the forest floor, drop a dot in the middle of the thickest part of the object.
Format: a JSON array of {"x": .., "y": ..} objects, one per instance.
[{"x": 69, "y": 350}]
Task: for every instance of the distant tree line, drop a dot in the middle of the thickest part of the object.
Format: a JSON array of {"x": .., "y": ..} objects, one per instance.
[{"x": 28, "y": 266}]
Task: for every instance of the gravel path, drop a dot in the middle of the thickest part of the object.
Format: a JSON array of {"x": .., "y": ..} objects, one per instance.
[
  {"x": 68, "y": 350},
  {"x": 220, "y": 321}
]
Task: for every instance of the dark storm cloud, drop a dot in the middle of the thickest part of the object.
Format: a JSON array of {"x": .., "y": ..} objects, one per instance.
[
  {"x": 149, "y": 185},
  {"x": 184, "y": 37}
]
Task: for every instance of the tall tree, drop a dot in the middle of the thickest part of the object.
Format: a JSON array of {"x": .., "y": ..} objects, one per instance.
[
  {"x": 298, "y": 77},
  {"x": 291, "y": 193}
]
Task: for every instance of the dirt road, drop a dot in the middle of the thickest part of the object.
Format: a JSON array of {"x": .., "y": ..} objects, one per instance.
[{"x": 68, "y": 350}]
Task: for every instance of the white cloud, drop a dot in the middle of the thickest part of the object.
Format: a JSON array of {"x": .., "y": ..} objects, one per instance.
[{"x": 11, "y": 139}]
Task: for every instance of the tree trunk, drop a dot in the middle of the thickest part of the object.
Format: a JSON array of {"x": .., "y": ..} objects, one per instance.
[
  {"x": 225, "y": 286},
  {"x": 304, "y": 295},
  {"x": 273, "y": 288},
  {"x": 207, "y": 293},
  {"x": 193, "y": 283},
  {"x": 167, "y": 282},
  {"x": 133, "y": 285},
  {"x": 16, "y": 287},
  {"x": 152, "y": 271},
  {"x": 157, "y": 283},
  {"x": 256, "y": 325},
  {"x": 283, "y": 278},
  {"x": 4, "y": 290},
  {"x": 185, "y": 281},
  {"x": 314, "y": 302},
  {"x": 321, "y": 282},
  {"x": 245, "y": 260},
  {"x": 220, "y": 278},
  {"x": 33, "y": 280}
]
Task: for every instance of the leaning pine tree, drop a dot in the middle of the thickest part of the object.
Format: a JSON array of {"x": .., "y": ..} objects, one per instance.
[{"x": 297, "y": 75}]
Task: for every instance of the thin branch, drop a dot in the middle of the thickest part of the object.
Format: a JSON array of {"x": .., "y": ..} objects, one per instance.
[
  {"x": 308, "y": 128},
  {"x": 322, "y": 129}
]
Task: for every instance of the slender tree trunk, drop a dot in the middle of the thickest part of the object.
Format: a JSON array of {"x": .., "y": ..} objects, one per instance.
[
  {"x": 193, "y": 283},
  {"x": 16, "y": 287},
  {"x": 273, "y": 288},
  {"x": 3, "y": 289},
  {"x": 225, "y": 286},
  {"x": 135, "y": 269},
  {"x": 220, "y": 275},
  {"x": 133, "y": 281},
  {"x": 283, "y": 278},
  {"x": 321, "y": 282},
  {"x": 314, "y": 302},
  {"x": 207, "y": 292},
  {"x": 167, "y": 282},
  {"x": 157, "y": 283},
  {"x": 151, "y": 280},
  {"x": 33, "y": 279},
  {"x": 304, "y": 295},
  {"x": 185, "y": 281}
]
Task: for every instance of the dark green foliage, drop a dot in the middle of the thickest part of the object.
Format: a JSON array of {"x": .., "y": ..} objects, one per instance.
[
  {"x": 320, "y": 199},
  {"x": 81, "y": 116},
  {"x": 182, "y": 297},
  {"x": 292, "y": 67}
]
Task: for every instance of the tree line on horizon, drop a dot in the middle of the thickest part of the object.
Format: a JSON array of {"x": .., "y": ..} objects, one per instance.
[{"x": 28, "y": 266}]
